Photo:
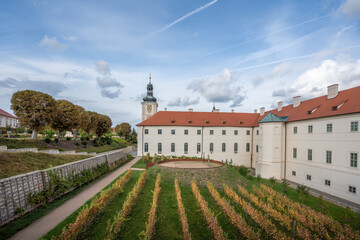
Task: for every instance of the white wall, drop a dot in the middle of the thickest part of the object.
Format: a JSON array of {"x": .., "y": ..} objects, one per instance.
[
  {"x": 166, "y": 138},
  {"x": 4, "y": 121},
  {"x": 341, "y": 142}
]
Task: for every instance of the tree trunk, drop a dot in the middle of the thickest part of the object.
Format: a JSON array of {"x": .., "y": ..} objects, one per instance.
[
  {"x": 34, "y": 134},
  {"x": 58, "y": 136},
  {"x": 76, "y": 134}
]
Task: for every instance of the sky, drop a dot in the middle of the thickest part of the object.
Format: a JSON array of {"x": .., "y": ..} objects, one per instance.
[{"x": 240, "y": 55}]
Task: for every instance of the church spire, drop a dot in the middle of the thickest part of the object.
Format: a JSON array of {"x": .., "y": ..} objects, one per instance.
[
  {"x": 149, "y": 95},
  {"x": 150, "y": 78}
]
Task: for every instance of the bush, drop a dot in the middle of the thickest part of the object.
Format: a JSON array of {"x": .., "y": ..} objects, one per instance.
[
  {"x": 96, "y": 145},
  {"x": 82, "y": 138},
  {"x": 56, "y": 139},
  {"x": 284, "y": 185},
  {"x": 20, "y": 129},
  {"x": 76, "y": 143},
  {"x": 47, "y": 140},
  {"x": 29, "y": 131},
  {"x": 84, "y": 142},
  {"x": 68, "y": 138},
  {"x": 243, "y": 170},
  {"x": 87, "y": 138}
]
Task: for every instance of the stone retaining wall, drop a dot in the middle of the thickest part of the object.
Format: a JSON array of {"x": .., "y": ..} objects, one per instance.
[{"x": 14, "y": 190}]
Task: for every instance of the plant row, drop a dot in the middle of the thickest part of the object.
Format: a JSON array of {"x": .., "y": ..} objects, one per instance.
[
  {"x": 119, "y": 219},
  {"x": 265, "y": 224},
  {"x": 283, "y": 219},
  {"x": 87, "y": 214},
  {"x": 315, "y": 221},
  {"x": 150, "y": 226},
  {"x": 183, "y": 218},
  {"x": 209, "y": 216},
  {"x": 234, "y": 217}
]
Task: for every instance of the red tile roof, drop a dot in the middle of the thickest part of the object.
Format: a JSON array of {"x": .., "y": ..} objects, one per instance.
[
  {"x": 350, "y": 100},
  {"x": 169, "y": 118},
  {"x": 324, "y": 107},
  {"x": 6, "y": 114}
]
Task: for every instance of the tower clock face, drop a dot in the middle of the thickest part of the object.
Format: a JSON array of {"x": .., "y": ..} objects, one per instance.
[{"x": 149, "y": 107}]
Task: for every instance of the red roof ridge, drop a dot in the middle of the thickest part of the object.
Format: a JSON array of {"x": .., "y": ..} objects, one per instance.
[{"x": 6, "y": 114}]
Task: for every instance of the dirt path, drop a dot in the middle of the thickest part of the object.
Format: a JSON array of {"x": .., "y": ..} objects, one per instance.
[{"x": 53, "y": 218}]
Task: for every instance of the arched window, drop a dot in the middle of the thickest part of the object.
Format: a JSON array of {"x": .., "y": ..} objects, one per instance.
[{"x": 223, "y": 147}]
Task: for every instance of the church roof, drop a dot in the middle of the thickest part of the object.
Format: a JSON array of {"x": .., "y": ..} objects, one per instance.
[
  {"x": 346, "y": 102},
  {"x": 6, "y": 114}
]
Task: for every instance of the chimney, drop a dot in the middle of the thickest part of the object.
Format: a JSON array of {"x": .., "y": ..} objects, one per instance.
[
  {"x": 255, "y": 110},
  {"x": 262, "y": 111},
  {"x": 280, "y": 105},
  {"x": 165, "y": 109},
  {"x": 232, "y": 110},
  {"x": 296, "y": 101},
  {"x": 191, "y": 109},
  {"x": 332, "y": 91}
]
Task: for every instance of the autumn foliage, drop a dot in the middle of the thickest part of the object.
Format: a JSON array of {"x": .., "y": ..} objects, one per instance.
[{"x": 183, "y": 218}]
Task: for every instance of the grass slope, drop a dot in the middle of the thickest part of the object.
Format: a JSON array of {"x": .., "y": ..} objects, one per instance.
[
  {"x": 22, "y": 162},
  {"x": 23, "y": 143}
]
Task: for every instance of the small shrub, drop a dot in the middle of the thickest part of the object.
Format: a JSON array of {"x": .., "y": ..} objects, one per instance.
[
  {"x": 84, "y": 142},
  {"x": 56, "y": 139},
  {"x": 303, "y": 191},
  {"x": 20, "y": 129},
  {"x": 87, "y": 138},
  {"x": 68, "y": 138},
  {"x": 258, "y": 178},
  {"x": 47, "y": 140},
  {"x": 82, "y": 138},
  {"x": 284, "y": 185},
  {"x": 272, "y": 181},
  {"x": 76, "y": 143},
  {"x": 29, "y": 131},
  {"x": 243, "y": 171},
  {"x": 96, "y": 145}
]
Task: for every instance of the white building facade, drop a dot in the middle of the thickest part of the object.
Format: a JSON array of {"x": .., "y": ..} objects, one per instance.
[
  {"x": 6, "y": 119},
  {"x": 315, "y": 142}
]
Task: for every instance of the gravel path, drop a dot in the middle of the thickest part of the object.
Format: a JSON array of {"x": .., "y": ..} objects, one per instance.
[{"x": 53, "y": 218}]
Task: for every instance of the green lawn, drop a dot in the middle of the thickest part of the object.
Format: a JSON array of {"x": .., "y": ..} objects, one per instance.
[
  {"x": 23, "y": 143},
  {"x": 22, "y": 162},
  {"x": 114, "y": 145},
  {"x": 168, "y": 224}
]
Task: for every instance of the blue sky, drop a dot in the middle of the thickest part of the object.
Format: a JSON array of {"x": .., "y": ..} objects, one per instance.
[{"x": 239, "y": 54}]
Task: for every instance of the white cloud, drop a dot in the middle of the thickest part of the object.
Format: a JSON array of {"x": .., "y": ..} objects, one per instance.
[
  {"x": 102, "y": 67},
  {"x": 351, "y": 8},
  {"x": 106, "y": 82},
  {"x": 219, "y": 88},
  {"x": 314, "y": 82},
  {"x": 278, "y": 71},
  {"x": 52, "y": 43},
  {"x": 71, "y": 38},
  {"x": 177, "y": 102}
]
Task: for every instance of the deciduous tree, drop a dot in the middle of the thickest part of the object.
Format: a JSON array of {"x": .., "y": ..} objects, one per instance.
[
  {"x": 103, "y": 125},
  {"x": 34, "y": 109},
  {"x": 125, "y": 129},
  {"x": 65, "y": 117},
  {"x": 92, "y": 122},
  {"x": 82, "y": 120}
]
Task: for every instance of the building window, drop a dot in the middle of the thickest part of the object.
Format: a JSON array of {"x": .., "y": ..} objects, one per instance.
[
  {"x": 223, "y": 132},
  {"x": 328, "y": 156},
  {"x": 211, "y": 147},
  {"x": 329, "y": 127},
  {"x": 211, "y": 132},
  {"x": 293, "y": 173},
  {"x": 327, "y": 182},
  {"x": 257, "y": 148},
  {"x": 248, "y": 147},
  {"x": 257, "y": 132},
  {"x": 235, "y": 147},
  {"x": 186, "y": 148},
  {"x": 310, "y": 129},
  {"x": 352, "y": 189},
  {"x": 198, "y": 147},
  {"x": 198, "y": 132},
  {"x": 354, "y": 126},
  {"x": 353, "y": 159},
  {"x": 159, "y": 148},
  {"x": 223, "y": 148},
  {"x": 159, "y": 131},
  {"x": 294, "y": 153},
  {"x": 308, "y": 177},
  {"x": 309, "y": 154},
  {"x": 146, "y": 147},
  {"x": 172, "y": 147},
  {"x": 146, "y": 131},
  {"x": 172, "y": 131},
  {"x": 186, "y": 132},
  {"x": 235, "y": 132},
  {"x": 295, "y": 130},
  {"x": 247, "y": 132}
]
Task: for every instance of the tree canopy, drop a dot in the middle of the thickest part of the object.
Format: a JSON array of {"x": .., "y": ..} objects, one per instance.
[
  {"x": 34, "y": 109},
  {"x": 65, "y": 117},
  {"x": 103, "y": 125},
  {"x": 123, "y": 129}
]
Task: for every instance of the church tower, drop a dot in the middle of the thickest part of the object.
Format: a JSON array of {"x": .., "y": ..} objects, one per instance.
[{"x": 149, "y": 105}]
